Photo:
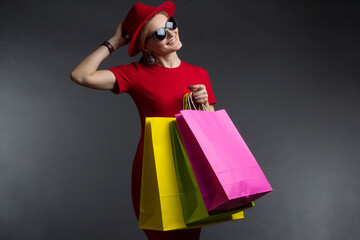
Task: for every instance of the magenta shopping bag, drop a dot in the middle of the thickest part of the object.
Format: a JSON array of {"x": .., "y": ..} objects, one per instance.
[{"x": 226, "y": 171}]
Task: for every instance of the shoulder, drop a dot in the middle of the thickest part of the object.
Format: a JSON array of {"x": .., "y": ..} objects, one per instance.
[
  {"x": 132, "y": 67},
  {"x": 194, "y": 68}
]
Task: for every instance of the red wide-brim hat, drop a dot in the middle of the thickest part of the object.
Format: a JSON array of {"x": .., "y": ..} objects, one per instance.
[{"x": 137, "y": 17}]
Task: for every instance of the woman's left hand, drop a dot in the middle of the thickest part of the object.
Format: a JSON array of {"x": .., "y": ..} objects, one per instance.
[{"x": 200, "y": 95}]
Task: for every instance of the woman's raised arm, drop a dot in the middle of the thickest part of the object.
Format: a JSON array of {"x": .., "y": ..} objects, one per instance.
[{"x": 86, "y": 73}]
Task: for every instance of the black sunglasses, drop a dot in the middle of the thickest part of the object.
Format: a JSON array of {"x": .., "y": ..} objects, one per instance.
[{"x": 160, "y": 34}]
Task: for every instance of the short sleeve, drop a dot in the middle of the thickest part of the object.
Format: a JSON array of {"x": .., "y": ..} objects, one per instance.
[
  {"x": 206, "y": 81},
  {"x": 126, "y": 76}
]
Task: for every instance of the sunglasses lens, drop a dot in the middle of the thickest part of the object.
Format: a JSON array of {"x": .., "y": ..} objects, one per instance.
[
  {"x": 160, "y": 34},
  {"x": 171, "y": 24}
]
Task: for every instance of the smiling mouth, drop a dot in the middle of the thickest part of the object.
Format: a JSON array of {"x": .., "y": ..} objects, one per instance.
[{"x": 171, "y": 42}]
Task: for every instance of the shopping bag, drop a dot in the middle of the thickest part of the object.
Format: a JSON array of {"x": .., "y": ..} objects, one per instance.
[
  {"x": 160, "y": 204},
  {"x": 225, "y": 169},
  {"x": 160, "y": 207},
  {"x": 193, "y": 206}
]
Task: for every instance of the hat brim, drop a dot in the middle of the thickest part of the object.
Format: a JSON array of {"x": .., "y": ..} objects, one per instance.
[{"x": 167, "y": 7}]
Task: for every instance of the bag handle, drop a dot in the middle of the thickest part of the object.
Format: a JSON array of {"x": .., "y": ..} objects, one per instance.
[{"x": 188, "y": 99}]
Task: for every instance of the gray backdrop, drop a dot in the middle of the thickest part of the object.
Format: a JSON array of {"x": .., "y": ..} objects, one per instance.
[{"x": 286, "y": 72}]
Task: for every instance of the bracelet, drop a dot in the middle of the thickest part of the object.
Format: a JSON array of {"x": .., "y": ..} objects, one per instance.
[{"x": 109, "y": 46}]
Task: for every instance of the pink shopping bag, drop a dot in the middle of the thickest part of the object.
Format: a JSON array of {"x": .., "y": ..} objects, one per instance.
[{"x": 226, "y": 171}]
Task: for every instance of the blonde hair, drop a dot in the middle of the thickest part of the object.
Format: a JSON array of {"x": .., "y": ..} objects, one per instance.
[{"x": 141, "y": 39}]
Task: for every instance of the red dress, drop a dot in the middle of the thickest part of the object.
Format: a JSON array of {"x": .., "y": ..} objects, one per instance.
[{"x": 158, "y": 92}]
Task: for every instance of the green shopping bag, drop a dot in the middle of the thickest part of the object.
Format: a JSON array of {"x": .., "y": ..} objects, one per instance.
[{"x": 193, "y": 206}]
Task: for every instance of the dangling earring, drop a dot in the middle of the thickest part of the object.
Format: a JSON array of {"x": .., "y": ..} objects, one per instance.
[{"x": 150, "y": 58}]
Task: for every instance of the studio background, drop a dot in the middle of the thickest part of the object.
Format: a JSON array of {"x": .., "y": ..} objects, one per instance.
[{"x": 287, "y": 73}]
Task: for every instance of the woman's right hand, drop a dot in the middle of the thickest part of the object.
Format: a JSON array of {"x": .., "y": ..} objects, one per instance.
[{"x": 119, "y": 39}]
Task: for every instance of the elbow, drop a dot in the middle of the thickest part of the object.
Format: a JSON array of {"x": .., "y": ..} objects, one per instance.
[{"x": 75, "y": 77}]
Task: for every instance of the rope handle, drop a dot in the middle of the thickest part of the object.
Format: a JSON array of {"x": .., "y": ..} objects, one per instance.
[{"x": 188, "y": 99}]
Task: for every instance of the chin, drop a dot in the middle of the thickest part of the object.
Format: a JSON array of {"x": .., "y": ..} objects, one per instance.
[
  {"x": 175, "y": 45},
  {"x": 179, "y": 45}
]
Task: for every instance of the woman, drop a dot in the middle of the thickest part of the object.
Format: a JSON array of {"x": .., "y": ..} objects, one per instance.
[{"x": 157, "y": 83}]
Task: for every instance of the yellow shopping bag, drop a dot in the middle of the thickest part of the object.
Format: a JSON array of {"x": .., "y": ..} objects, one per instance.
[{"x": 160, "y": 204}]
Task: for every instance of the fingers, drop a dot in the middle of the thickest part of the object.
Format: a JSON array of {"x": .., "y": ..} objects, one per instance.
[
  {"x": 202, "y": 98},
  {"x": 121, "y": 36},
  {"x": 124, "y": 34},
  {"x": 119, "y": 30},
  {"x": 200, "y": 95},
  {"x": 197, "y": 87},
  {"x": 127, "y": 39}
]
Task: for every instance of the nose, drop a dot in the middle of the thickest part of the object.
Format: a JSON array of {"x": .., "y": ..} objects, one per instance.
[{"x": 169, "y": 33}]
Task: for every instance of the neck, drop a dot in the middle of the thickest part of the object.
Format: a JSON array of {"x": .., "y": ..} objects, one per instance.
[{"x": 170, "y": 60}]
